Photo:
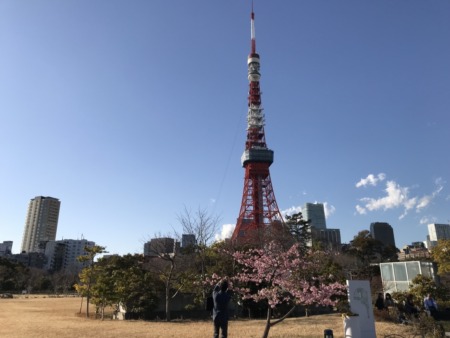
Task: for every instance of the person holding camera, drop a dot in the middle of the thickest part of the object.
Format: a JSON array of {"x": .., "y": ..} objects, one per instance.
[{"x": 221, "y": 298}]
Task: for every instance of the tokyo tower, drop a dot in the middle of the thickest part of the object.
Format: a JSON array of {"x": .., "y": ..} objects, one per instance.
[{"x": 259, "y": 213}]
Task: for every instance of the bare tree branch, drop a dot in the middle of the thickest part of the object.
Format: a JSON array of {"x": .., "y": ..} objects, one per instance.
[{"x": 200, "y": 223}]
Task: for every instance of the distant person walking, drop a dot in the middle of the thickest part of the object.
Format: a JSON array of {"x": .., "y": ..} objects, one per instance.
[
  {"x": 430, "y": 306},
  {"x": 221, "y": 298},
  {"x": 379, "y": 303}
]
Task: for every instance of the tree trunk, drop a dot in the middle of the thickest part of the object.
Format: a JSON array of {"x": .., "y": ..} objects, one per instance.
[
  {"x": 168, "y": 303},
  {"x": 267, "y": 328},
  {"x": 81, "y": 305},
  {"x": 88, "y": 296},
  {"x": 250, "y": 312},
  {"x": 87, "y": 305},
  {"x": 269, "y": 324}
]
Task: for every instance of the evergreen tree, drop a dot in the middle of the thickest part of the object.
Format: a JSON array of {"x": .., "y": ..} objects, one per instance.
[{"x": 87, "y": 275}]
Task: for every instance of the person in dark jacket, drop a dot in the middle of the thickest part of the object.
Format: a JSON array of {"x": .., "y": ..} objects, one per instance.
[
  {"x": 221, "y": 298},
  {"x": 379, "y": 304},
  {"x": 430, "y": 306},
  {"x": 388, "y": 301},
  {"x": 410, "y": 307}
]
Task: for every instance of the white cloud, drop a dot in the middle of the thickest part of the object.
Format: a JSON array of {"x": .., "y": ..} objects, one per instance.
[
  {"x": 440, "y": 183},
  {"x": 290, "y": 211},
  {"x": 360, "y": 210},
  {"x": 398, "y": 197},
  {"x": 371, "y": 180},
  {"x": 427, "y": 199},
  {"x": 395, "y": 196},
  {"x": 226, "y": 232},
  {"x": 423, "y": 202},
  {"x": 329, "y": 209},
  {"x": 428, "y": 220}
]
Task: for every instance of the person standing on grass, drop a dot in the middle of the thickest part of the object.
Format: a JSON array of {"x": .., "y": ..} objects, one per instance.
[
  {"x": 379, "y": 304},
  {"x": 221, "y": 298},
  {"x": 430, "y": 306}
]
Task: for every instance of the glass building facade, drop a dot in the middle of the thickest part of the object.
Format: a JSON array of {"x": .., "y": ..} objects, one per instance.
[
  {"x": 315, "y": 213},
  {"x": 398, "y": 276}
]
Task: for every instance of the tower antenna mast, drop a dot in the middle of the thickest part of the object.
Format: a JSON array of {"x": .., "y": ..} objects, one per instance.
[{"x": 252, "y": 30}]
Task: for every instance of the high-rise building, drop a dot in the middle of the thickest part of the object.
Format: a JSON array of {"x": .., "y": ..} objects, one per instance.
[
  {"x": 382, "y": 232},
  {"x": 62, "y": 255},
  {"x": 438, "y": 231},
  {"x": 187, "y": 240},
  {"x": 315, "y": 214},
  {"x": 259, "y": 213},
  {"x": 330, "y": 238},
  {"x": 41, "y": 223},
  {"x": 30, "y": 259},
  {"x": 6, "y": 248},
  {"x": 161, "y": 246}
]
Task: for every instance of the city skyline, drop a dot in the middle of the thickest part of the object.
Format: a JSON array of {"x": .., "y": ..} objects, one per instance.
[{"x": 127, "y": 113}]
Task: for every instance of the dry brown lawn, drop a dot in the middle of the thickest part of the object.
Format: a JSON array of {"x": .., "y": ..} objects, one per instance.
[{"x": 58, "y": 317}]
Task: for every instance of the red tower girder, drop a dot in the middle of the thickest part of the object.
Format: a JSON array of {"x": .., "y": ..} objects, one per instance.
[{"x": 259, "y": 210}]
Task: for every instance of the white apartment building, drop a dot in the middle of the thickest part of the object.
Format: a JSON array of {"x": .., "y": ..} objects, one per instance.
[{"x": 41, "y": 223}]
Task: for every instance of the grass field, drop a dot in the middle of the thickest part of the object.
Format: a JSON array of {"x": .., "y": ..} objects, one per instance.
[{"x": 58, "y": 317}]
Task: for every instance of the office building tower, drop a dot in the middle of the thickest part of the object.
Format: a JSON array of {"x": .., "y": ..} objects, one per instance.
[
  {"x": 382, "y": 232},
  {"x": 63, "y": 255},
  {"x": 187, "y": 240},
  {"x": 160, "y": 246},
  {"x": 30, "y": 259},
  {"x": 41, "y": 223},
  {"x": 315, "y": 214},
  {"x": 5, "y": 248},
  {"x": 438, "y": 231},
  {"x": 330, "y": 238}
]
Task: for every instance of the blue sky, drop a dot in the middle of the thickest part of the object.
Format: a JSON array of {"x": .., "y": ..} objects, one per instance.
[{"x": 128, "y": 111}]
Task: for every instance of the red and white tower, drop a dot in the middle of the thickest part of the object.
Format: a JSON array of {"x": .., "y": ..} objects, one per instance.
[{"x": 259, "y": 210}]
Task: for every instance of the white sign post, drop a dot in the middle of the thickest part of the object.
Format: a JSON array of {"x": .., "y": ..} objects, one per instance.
[{"x": 360, "y": 300}]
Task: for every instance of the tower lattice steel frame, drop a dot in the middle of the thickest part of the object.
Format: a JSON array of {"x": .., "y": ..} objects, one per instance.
[{"x": 259, "y": 210}]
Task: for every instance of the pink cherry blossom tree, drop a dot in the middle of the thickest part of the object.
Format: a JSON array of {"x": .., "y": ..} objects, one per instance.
[{"x": 282, "y": 276}]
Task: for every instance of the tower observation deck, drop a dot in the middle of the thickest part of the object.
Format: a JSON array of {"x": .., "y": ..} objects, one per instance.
[{"x": 259, "y": 211}]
